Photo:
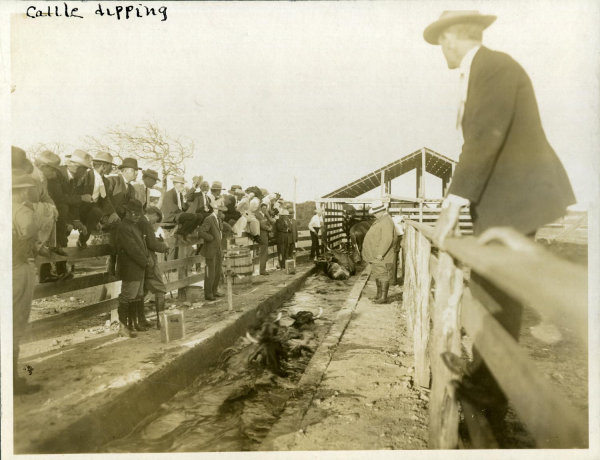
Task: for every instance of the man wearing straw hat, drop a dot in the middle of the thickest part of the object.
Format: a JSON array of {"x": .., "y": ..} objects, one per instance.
[
  {"x": 507, "y": 173},
  {"x": 174, "y": 209},
  {"x": 24, "y": 235},
  {"x": 378, "y": 250},
  {"x": 100, "y": 208}
]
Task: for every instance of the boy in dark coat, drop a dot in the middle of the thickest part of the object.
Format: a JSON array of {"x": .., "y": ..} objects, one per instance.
[{"x": 133, "y": 260}]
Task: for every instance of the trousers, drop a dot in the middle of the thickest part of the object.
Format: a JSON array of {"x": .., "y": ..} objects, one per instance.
[
  {"x": 212, "y": 274},
  {"x": 315, "y": 249},
  {"x": 23, "y": 277}
]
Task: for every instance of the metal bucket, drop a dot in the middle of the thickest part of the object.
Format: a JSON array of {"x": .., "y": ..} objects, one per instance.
[{"x": 240, "y": 261}]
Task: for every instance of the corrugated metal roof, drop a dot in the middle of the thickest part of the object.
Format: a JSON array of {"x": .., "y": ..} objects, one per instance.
[{"x": 435, "y": 163}]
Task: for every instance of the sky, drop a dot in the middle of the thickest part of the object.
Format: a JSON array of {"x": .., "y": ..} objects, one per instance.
[{"x": 324, "y": 92}]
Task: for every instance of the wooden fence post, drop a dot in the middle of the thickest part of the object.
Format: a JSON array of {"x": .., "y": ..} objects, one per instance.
[
  {"x": 408, "y": 295},
  {"x": 443, "y": 408},
  {"x": 182, "y": 272},
  {"x": 421, "y": 253}
]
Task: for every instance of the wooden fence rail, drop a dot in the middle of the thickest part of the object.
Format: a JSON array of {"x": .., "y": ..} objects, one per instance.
[{"x": 553, "y": 286}]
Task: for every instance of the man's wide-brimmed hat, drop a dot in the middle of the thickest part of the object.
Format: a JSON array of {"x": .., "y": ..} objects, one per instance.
[
  {"x": 81, "y": 158},
  {"x": 151, "y": 173},
  {"x": 129, "y": 163},
  {"x": 134, "y": 206},
  {"x": 19, "y": 160},
  {"x": 377, "y": 206},
  {"x": 155, "y": 210},
  {"x": 216, "y": 185},
  {"x": 48, "y": 158},
  {"x": 237, "y": 189},
  {"x": 105, "y": 157},
  {"x": 178, "y": 179},
  {"x": 20, "y": 179},
  {"x": 449, "y": 18}
]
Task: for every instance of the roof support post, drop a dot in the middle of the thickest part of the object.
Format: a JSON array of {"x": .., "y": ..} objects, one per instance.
[
  {"x": 423, "y": 162},
  {"x": 382, "y": 183}
]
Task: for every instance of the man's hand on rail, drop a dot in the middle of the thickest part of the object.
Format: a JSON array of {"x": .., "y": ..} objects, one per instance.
[
  {"x": 510, "y": 238},
  {"x": 447, "y": 224}
]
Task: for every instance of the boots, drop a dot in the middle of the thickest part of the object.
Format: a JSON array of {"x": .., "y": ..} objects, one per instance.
[
  {"x": 378, "y": 296},
  {"x": 385, "y": 286},
  {"x": 141, "y": 315},
  {"x": 133, "y": 313},
  {"x": 124, "y": 320}
]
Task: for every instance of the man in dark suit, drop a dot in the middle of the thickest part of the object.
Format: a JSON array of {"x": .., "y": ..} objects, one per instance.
[
  {"x": 121, "y": 191},
  {"x": 133, "y": 260},
  {"x": 284, "y": 238},
  {"x": 266, "y": 226},
  {"x": 211, "y": 231},
  {"x": 197, "y": 199},
  {"x": 142, "y": 191},
  {"x": 508, "y": 173},
  {"x": 174, "y": 209},
  {"x": 100, "y": 208},
  {"x": 232, "y": 214}
]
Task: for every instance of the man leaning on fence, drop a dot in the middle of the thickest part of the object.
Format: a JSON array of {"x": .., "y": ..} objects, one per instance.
[
  {"x": 24, "y": 234},
  {"x": 379, "y": 249},
  {"x": 508, "y": 173},
  {"x": 133, "y": 263}
]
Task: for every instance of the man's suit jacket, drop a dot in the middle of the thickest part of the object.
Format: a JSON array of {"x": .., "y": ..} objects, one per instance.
[
  {"x": 507, "y": 168},
  {"x": 169, "y": 206},
  {"x": 120, "y": 193},
  {"x": 69, "y": 195},
  {"x": 142, "y": 194},
  {"x": 86, "y": 187},
  {"x": 132, "y": 253},
  {"x": 197, "y": 202},
  {"x": 211, "y": 231}
]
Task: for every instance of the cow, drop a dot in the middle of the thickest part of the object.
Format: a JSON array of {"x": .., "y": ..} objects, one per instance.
[{"x": 357, "y": 235}]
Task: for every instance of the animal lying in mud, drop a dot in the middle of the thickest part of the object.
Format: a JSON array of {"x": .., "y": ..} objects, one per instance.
[
  {"x": 338, "y": 265},
  {"x": 276, "y": 343}
]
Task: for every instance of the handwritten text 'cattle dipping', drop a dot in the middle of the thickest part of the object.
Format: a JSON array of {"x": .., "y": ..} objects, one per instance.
[{"x": 120, "y": 11}]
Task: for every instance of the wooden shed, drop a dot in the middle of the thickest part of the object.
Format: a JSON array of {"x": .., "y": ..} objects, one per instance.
[{"x": 421, "y": 208}]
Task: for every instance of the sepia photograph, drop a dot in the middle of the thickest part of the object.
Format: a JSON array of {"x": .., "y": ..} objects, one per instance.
[{"x": 300, "y": 229}]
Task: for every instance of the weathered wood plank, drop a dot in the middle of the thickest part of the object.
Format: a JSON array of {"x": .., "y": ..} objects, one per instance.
[
  {"x": 548, "y": 416},
  {"x": 421, "y": 310},
  {"x": 171, "y": 264},
  {"x": 433, "y": 266},
  {"x": 81, "y": 282},
  {"x": 98, "y": 250},
  {"x": 443, "y": 409},
  {"x": 408, "y": 296},
  {"x": 178, "y": 284},
  {"x": 63, "y": 319}
]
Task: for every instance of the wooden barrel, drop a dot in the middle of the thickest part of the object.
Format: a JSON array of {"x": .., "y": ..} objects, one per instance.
[{"x": 241, "y": 265}]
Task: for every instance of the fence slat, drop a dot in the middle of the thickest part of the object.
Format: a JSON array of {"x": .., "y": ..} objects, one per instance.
[
  {"x": 443, "y": 410},
  {"x": 421, "y": 311},
  {"x": 548, "y": 417},
  {"x": 178, "y": 284},
  {"x": 480, "y": 431},
  {"x": 98, "y": 250},
  {"x": 171, "y": 264},
  {"x": 408, "y": 296},
  {"x": 63, "y": 319},
  {"x": 81, "y": 282}
]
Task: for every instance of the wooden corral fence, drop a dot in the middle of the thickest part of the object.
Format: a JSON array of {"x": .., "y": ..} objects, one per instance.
[
  {"x": 555, "y": 287},
  {"x": 177, "y": 274},
  {"x": 573, "y": 229}
]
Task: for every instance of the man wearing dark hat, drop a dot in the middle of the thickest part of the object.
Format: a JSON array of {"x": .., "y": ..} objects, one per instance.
[
  {"x": 508, "y": 173},
  {"x": 24, "y": 235},
  {"x": 378, "y": 250},
  {"x": 121, "y": 191},
  {"x": 142, "y": 191},
  {"x": 100, "y": 208},
  {"x": 133, "y": 262},
  {"x": 211, "y": 231},
  {"x": 174, "y": 209}
]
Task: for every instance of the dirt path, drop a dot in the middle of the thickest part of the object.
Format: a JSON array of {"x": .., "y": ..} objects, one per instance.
[{"x": 366, "y": 400}]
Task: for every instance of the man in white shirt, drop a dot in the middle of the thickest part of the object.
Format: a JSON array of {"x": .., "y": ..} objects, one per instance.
[{"x": 314, "y": 226}]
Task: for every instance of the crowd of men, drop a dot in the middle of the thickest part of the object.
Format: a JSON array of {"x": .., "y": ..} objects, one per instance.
[{"x": 51, "y": 199}]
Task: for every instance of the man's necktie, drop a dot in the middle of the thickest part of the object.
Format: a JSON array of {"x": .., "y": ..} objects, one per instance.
[
  {"x": 181, "y": 200},
  {"x": 102, "y": 190}
]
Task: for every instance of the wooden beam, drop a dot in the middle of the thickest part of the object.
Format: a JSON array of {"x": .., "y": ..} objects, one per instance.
[
  {"x": 548, "y": 416},
  {"x": 480, "y": 431},
  {"x": 421, "y": 309},
  {"x": 171, "y": 264},
  {"x": 75, "y": 284},
  {"x": 178, "y": 284},
  {"x": 98, "y": 250},
  {"x": 443, "y": 409}
]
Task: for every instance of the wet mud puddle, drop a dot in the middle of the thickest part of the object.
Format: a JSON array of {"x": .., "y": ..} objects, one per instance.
[{"x": 233, "y": 406}]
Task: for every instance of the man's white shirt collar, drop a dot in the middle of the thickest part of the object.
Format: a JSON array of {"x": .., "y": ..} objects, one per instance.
[{"x": 467, "y": 60}]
